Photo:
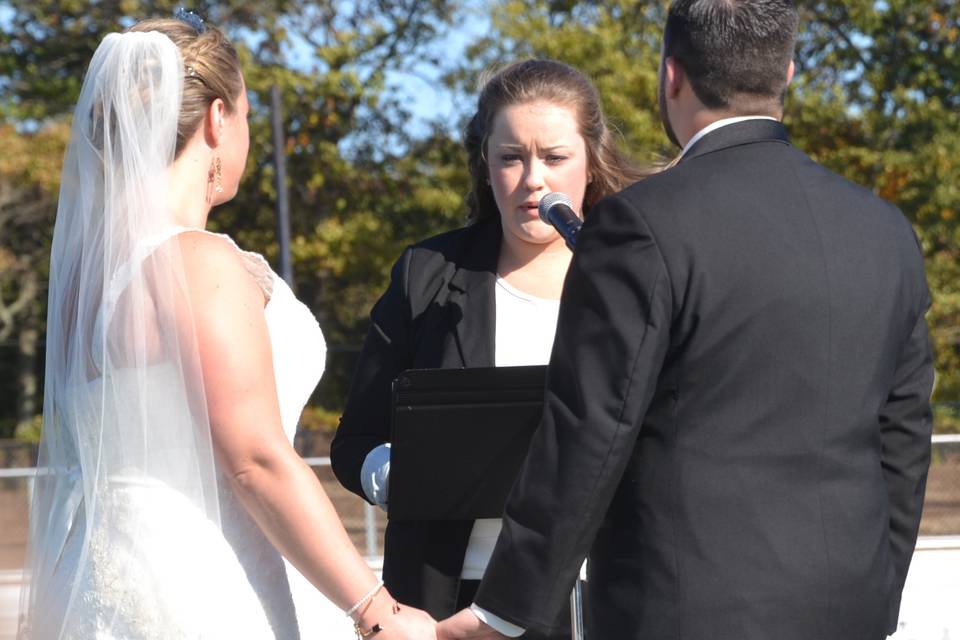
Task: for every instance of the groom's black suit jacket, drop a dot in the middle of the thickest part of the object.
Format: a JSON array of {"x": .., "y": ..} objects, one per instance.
[{"x": 737, "y": 423}]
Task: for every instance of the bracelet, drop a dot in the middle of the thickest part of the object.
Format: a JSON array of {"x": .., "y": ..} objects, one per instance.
[
  {"x": 366, "y": 633},
  {"x": 362, "y": 633},
  {"x": 363, "y": 610},
  {"x": 363, "y": 600}
]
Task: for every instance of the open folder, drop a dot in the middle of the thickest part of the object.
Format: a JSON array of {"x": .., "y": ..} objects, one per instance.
[{"x": 458, "y": 439}]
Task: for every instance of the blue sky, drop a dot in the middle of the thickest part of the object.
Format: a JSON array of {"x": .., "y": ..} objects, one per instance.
[
  {"x": 421, "y": 86},
  {"x": 428, "y": 97}
]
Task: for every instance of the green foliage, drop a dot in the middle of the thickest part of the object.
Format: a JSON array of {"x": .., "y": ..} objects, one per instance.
[
  {"x": 946, "y": 418},
  {"x": 29, "y": 431},
  {"x": 359, "y": 186},
  {"x": 875, "y": 99},
  {"x": 319, "y": 419},
  {"x": 617, "y": 44},
  {"x": 29, "y": 180},
  {"x": 46, "y": 45}
]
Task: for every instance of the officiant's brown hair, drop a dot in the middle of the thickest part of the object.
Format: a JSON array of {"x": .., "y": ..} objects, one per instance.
[
  {"x": 609, "y": 169},
  {"x": 211, "y": 70}
]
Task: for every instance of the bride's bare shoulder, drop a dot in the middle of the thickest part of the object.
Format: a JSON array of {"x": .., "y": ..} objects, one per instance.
[{"x": 215, "y": 270}]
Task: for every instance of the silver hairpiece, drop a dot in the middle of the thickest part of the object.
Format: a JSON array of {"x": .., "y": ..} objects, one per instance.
[{"x": 190, "y": 18}]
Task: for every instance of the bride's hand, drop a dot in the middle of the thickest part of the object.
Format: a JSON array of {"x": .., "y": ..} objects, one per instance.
[{"x": 396, "y": 621}]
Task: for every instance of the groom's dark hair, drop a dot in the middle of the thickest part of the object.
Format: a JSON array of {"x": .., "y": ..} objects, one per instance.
[{"x": 735, "y": 52}]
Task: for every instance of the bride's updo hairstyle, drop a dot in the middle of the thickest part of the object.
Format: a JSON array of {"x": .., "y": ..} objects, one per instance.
[
  {"x": 608, "y": 168},
  {"x": 211, "y": 70}
]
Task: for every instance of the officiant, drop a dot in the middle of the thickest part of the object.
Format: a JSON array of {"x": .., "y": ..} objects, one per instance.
[{"x": 486, "y": 294}]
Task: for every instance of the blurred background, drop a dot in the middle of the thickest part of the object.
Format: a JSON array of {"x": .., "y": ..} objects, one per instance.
[{"x": 372, "y": 99}]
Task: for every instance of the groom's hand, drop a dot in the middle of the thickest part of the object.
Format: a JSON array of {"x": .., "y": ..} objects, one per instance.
[{"x": 465, "y": 625}]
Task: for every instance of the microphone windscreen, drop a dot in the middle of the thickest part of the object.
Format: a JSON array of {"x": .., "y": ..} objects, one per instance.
[{"x": 552, "y": 198}]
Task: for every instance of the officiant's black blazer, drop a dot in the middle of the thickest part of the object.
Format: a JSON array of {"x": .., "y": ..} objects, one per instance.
[
  {"x": 438, "y": 312},
  {"x": 737, "y": 422}
]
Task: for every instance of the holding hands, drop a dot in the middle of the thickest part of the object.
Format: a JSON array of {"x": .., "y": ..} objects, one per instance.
[
  {"x": 388, "y": 620},
  {"x": 466, "y": 625},
  {"x": 400, "y": 622},
  {"x": 384, "y": 618}
]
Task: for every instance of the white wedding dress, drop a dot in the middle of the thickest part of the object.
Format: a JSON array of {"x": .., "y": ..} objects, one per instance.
[{"x": 159, "y": 568}]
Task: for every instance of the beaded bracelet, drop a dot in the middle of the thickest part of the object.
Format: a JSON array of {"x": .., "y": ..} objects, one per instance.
[{"x": 362, "y": 600}]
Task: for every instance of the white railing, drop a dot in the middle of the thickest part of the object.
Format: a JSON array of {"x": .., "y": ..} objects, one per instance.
[{"x": 370, "y": 515}]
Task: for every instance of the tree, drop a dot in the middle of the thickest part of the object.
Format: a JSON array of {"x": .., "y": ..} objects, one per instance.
[
  {"x": 875, "y": 98},
  {"x": 29, "y": 178},
  {"x": 617, "y": 44},
  {"x": 352, "y": 165},
  {"x": 878, "y": 102},
  {"x": 346, "y": 142}
]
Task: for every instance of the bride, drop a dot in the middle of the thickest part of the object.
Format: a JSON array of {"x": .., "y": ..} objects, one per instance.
[{"x": 168, "y": 492}]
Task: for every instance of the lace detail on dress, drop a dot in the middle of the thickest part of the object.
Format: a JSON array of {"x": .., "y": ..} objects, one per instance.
[
  {"x": 257, "y": 267},
  {"x": 159, "y": 570}
]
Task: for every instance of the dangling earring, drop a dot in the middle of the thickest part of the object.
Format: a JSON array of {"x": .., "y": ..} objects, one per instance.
[
  {"x": 218, "y": 176},
  {"x": 211, "y": 173}
]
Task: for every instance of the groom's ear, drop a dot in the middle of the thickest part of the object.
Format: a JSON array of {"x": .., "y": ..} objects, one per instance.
[
  {"x": 791, "y": 69},
  {"x": 673, "y": 76}
]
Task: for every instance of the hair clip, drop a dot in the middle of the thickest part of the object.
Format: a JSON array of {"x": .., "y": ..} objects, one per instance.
[{"x": 190, "y": 18}]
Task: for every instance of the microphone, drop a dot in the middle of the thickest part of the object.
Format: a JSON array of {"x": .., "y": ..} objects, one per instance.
[{"x": 556, "y": 209}]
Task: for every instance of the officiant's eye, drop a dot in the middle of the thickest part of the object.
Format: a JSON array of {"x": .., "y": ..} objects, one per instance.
[
  {"x": 510, "y": 158},
  {"x": 554, "y": 158}
]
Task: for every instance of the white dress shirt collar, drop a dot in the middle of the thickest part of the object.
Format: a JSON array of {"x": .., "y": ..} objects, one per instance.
[{"x": 716, "y": 125}]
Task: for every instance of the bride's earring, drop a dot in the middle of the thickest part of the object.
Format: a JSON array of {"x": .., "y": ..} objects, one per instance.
[
  {"x": 218, "y": 176},
  {"x": 211, "y": 176}
]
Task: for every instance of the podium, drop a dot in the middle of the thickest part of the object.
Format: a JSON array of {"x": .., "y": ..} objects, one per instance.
[{"x": 458, "y": 440}]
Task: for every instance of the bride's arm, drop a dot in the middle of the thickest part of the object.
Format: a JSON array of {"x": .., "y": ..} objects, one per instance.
[{"x": 276, "y": 487}]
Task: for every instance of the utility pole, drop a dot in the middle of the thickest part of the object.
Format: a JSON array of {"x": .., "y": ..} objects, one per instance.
[{"x": 283, "y": 202}]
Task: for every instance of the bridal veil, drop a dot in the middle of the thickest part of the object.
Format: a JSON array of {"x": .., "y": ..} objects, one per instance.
[{"x": 123, "y": 401}]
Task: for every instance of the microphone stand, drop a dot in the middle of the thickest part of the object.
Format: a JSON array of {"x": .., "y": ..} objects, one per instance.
[{"x": 576, "y": 611}]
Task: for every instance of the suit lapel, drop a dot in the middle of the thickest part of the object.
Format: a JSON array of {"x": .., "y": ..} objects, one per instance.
[{"x": 472, "y": 300}]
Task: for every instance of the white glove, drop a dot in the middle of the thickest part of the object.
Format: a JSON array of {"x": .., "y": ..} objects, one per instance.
[{"x": 375, "y": 475}]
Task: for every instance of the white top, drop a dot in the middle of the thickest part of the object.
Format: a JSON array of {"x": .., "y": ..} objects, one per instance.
[{"x": 525, "y": 326}]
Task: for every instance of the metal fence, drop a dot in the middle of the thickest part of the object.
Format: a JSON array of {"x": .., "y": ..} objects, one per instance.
[
  {"x": 365, "y": 524},
  {"x": 941, "y": 507}
]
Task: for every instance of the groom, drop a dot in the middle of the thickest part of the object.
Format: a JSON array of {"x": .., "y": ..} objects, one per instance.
[{"x": 737, "y": 421}]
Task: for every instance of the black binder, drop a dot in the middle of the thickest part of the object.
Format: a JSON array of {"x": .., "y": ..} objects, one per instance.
[{"x": 458, "y": 439}]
